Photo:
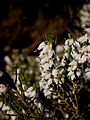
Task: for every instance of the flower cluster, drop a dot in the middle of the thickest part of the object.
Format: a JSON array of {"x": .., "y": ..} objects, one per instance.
[
  {"x": 77, "y": 53},
  {"x": 7, "y": 110},
  {"x": 85, "y": 15},
  {"x": 48, "y": 68},
  {"x": 62, "y": 85},
  {"x": 24, "y": 70},
  {"x": 21, "y": 64}
]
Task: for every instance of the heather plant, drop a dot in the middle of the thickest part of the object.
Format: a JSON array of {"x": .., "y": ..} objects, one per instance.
[
  {"x": 50, "y": 86},
  {"x": 85, "y": 14}
]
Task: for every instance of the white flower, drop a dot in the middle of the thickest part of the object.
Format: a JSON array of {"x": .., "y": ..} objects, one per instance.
[
  {"x": 1, "y": 103},
  {"x": 47, "y": 93},
  {"x": 59, "y": 48},
  {"x": 23, "y": 86},
  {"x": 44, "y": 52},
  {"x": 63, "y": 62},
  {"x": 67, "y": 42},
  {"x": 78, "y": 73},
  {"x": 88, "y": 5},
  {"x": 73, "y": 65},
  {"x": 10, "y": 112},
  {"x": 71, "y": 41},
  {"x": 30, "y": 92},
  {"x": 66, "y": 55},
  {"x": 50, "y": 53},
  {"x": 83, "y": 59},
  {"x": 45, "y": 75},
  {"x": 88, "y": 57},
  {"x": 51, "y": 63},
  {"x": 42, "y": 55},
  {"x": 82, "y": 39},
  {"x": 18, "y": 81},
  {"x": 5, "y": 108},
  {"x": 51, "y": 89},
  {"x": 23, "y": 111},
  {"x": 62, "y": 80},
  {"x": 41, "y": 84},
  {"x": 73, "y": 54},
  {"x": 45, "y": 49},
  {"x": 85, "y": 6},
  {"x": 83, "y": 50},
  {"x": 55, "y": 72},
  {"x": 41, "y": 46},
  {"x": 88, "y": 48},
  {"x": 77, "y": 57},
  {"x": 40, "y": 106},
  {"x": 86, "y": 14},
  {"x": 44, "y": 60},
  {"x": 70, "y": 73},
  {"x": 54, "y": 96},
  {"x": 72, "y": 77},
  {"x": 87, "y": 75},
  {"x": 33, "y": 94},
  {"x": 66, "y": 47},
  {"x": 18, "y": 71},
  {"x": 46, "y": 66},
  {"x": 88, "y": 32},
  {"x": 46, "y": 87},
  {"x": 77, "y": 44},
  {"x": 73, "y": 47},
  {"x": 69, "y": 69},
  {"x": 1, "y": 73},
  {"x": 67, "y": 115},
  {"x": 47, "y": 115},
  {"x": 30, "y": 89},
  {"x": 56, "y": 81},
  {"x": 8, "y": 60},
  {"x": 50, "y": 81},
  {"x": 59, "y": 101},
  {"x": 3, "y": 88}
]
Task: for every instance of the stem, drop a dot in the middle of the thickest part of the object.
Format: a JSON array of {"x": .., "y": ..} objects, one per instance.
[{"x": 18, "y": 94}]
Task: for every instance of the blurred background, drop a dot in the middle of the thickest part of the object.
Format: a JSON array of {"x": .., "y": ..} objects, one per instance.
[{"x": 24, "y": 22}]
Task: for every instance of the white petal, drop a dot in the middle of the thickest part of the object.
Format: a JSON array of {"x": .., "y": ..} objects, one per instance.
[
  {"x": 87, "y": 75},
  {"x": 41, "y": 46},
  {"x": 72, "y": 77},
  {"x": 8, "y": 60},
  {"x": 50, "y": 53},
  {"x": 5, "y": 107},
  {"x": 45, "y": 49},
  {"x": 78, "y": 73},
  {"x": 1, "y": 103},
  {"x": 66, "y": 47},
  {"x": 1, "y": 73},
  {"x": 59, "y": 48},
  {"x": 83, "y": 59},
  {"x": 82, "y": 39},
  {"x": 44, "y": 60},
  {"x": 56, "y": 81},
  {"x": 46, "y": 66},
  {"x": 50, "y": 81},
  {"x": 50, "y": 63},
  {"x": 3, "y": 88},
  {"x": 67, "y": 115},
  {"x": 67, "y": 42},
  {"x": 55, "y": 72}
]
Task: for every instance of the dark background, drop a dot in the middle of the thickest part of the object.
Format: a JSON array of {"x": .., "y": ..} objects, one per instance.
[{"x": 23, "y": 22}]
